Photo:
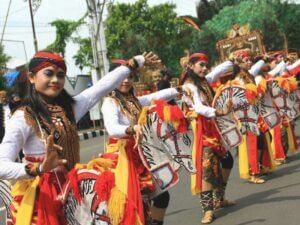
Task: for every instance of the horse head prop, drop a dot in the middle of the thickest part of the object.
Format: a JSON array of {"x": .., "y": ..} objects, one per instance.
[
  {"x": 243, "y": 109},
  {"x": 268, "y": 111},
  {"x": 166, "y": 145},
  {"x": 283, "y": 92}
]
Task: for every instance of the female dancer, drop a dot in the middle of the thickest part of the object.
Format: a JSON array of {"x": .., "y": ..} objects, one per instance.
[
  {"x": 45, "y": 128},
  {"x": 121, "y": 111},
  {"x": 207, "y": 147}
]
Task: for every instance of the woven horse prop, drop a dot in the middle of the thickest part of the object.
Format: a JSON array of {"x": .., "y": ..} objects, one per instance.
[
  {"x": 268, "y": 111},
  {"x": 297, "y": 106},
  {"x": 165, "y": 148},
  {"x": 243, "y": 109},
  {"x": 5, "y": 197},
  {"x": 283, "y": 92}
]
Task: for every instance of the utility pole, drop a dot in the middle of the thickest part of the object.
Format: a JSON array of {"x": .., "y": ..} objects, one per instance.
[
  {"x": 7, "y": 13},
  {"x": 101, "y": 64},
  {"x": 95, "y": 8},
  {"x": 33, "y": 28}
]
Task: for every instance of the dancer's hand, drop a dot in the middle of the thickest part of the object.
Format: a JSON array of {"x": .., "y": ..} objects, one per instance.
[
  {"x": 138, "y": 137},
  {"x": 151, "y": 59},
  {"x": 266, "y": 57},
  {"x": 226, "y": 110},
  {"x": 52, "y": 157}
]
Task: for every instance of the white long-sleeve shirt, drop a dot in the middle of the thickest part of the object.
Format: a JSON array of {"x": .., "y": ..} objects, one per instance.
[
  {"x": 196, "y": 103},
  {"x": 218, "y": 71},
  {"x": 294, "y": 65},
  {"x": 278, "y": 69},
  {"x": 19, "y": 135},
  {"x": 116, "y": 122},
  {"x": 256, "y": 67}
]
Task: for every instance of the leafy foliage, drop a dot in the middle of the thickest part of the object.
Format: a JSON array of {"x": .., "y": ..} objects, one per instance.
[
  {"x": 206, "y": 10},
  {"x": 287, "y": 16},
  {"x": 272, "y": 17},
  {"x": 134, "y": 28},
  {"x": 2, "y": 83},
  {"x": 64, "y": 31},
  {"x": 3, "y": 60},
  {"x": 84, "y": 55}
]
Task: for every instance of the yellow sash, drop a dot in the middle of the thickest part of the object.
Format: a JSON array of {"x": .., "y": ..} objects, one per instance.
[
  {"x": 27, "y": 189},
  {"x": 243, "y": 159}
]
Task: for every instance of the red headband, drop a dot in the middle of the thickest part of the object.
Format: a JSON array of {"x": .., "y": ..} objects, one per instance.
[
  {"x": 278, "y": 53},
  {"x": 199, "y": 57},
  {"x": 119, "y": 61},
  {"x": 44, "y": 59},
  {"x": 243, "y": 54}
]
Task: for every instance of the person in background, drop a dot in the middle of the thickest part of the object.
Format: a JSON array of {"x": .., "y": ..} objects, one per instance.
[
  {"x": 165, "y": 81},
  {"x": 4, "y": 113},
  {"x": 14, "y": 101}
]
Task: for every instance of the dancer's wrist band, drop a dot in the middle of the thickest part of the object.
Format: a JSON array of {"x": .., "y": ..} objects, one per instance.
[
  {"x": 33, "y": 169},
  {"x": 132, "y": 64},
  {"x": 130, "y": 130}
]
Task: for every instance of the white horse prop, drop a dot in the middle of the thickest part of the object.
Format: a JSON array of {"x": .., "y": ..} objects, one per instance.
[
  {"x": 5, "y": 197},
  {"x": 268, "y": 110},
  {"x": 243, "y": 110},
  {"x": 164, "y": 150},
  {"x": 283, "y": 92}
]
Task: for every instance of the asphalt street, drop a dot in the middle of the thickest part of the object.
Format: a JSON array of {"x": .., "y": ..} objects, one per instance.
[{"x": 277, "y": 202}]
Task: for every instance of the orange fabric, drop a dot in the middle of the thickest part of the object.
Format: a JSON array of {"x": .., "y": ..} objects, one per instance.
[
  {"x": 252, "y": 152},
  {"x": 294, "y": 136},
  {"x": 199, "y": 148},
  {"x": 174, "y": 115},
  {"x": 50, "y": 211},
  {"x": 262, "y": 125},
  {"x": 279, "y": 151},
  {"x": 190, "y": 21},
  {"x": 134, "y": 197},
  {"x": 136, "y": 174},
  {"x": 211, "y": 137},
  {"x": 47, "y": 208},
  {"x": 207, "y": 136}
]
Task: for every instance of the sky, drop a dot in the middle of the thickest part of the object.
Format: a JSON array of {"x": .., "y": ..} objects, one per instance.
[{"x": 18, "y": 31}]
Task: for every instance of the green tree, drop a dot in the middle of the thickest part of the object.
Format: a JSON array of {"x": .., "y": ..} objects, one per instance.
[
  {"x": 261, "y": 14},
  {"x": 84, "y": 55},
  {"x": 64, "y": 31},
  {"x": 2, "y": 83},
  {"x": 287, "y": 15},
  {"x": 134, "y": 28},
  {"x": 3, "y": 60}
]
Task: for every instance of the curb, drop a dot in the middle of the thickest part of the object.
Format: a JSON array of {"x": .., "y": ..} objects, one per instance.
[{"x": 90, "y": 134}]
